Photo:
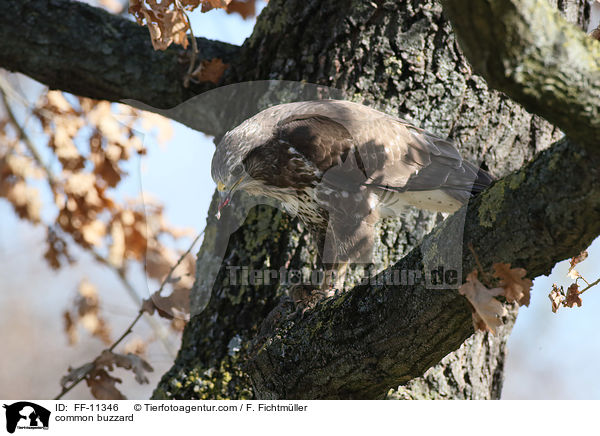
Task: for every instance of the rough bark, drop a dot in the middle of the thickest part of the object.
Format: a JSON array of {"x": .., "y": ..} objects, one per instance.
[
  {"x": 526, "y": 50},
  {"x": 87, "y": 51},
  {"x": 400, "y": 56}
]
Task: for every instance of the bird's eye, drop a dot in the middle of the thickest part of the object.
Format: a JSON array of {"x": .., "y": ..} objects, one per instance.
[{"x": 237, "y": 171}]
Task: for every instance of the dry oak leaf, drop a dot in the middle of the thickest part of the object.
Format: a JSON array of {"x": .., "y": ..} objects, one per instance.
[
  {"x": 209, "y": 71},
  {"x": 573, "y": 274},
  {"x": 516, "y": 286},
  {"x": 56, "y": 252},
  {"x": 136, "y": 346},
  {"x": 139, "y": 366},
  {"x": 166, "y": 26},
  {"x": 575, "y": 260},
  {"x": 25, "y": 200},
  {"x": 246, "y": 8},
  {"x": 556, "y": 296},
  {"x": 86, "y": 312},
  {"x": 75, "y": 374},
  {"x": 102, "y": 385},
  {"x": 488, "y": 311},
  {"x": 573, "y": 297},
  {"x": 207, "y": 5},
  {"x": 175, "y": 305}
]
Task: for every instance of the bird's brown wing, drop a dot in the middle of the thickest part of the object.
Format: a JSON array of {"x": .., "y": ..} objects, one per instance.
[
  {"x": 421, "y": 161},
  {"x": 392, "y": 154}
]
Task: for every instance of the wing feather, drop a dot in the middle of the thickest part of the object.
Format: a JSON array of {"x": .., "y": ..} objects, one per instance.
[{"x": 392, "y": 154}]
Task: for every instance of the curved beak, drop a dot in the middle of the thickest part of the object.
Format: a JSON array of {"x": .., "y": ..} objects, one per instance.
[
  {"x": 225, "y": 195},
  {"x": 225, "y": 200}
]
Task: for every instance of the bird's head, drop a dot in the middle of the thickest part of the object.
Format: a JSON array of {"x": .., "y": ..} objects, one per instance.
[
  {"x": 237, "y": 165},
  {"x": 230, "y": 166},
  {"x": 228, "y": 185}
]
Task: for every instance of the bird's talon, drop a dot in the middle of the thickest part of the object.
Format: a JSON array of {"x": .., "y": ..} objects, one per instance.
[{"x": 306, "y": 297}]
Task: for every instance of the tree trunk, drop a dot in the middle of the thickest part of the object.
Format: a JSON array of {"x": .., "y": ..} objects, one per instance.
[{"x": 401, "y": 57}]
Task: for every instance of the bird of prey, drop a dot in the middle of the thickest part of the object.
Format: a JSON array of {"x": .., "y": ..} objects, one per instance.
[{"x": 340, "y": 166}]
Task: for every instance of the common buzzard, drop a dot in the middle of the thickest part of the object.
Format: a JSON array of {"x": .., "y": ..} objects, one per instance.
[{"x": 340, "y": 166}]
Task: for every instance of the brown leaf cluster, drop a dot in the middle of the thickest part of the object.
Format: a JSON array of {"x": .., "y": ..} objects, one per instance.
[
  {"x": 167, "y": 21},
  {"x": 573, "y": 273},
  {"x": 17, "y": 171},
  {"x": 86, "y": 313},
  {"x": 176, "y": 305},
  {"x": 572, "y": 297},
  {"x": 92, "y": 140},
  {"x": 97, "y": 374},
  {"x": 487, "y": 310},
  {"x": 81, "y": 189},
  {"x": 90, "y": 143},
  {"x": 516, "y": 285},
  {"x": 558, "y": 297},
  {"x": 57, "y": 252},
  {"x": 209, "y": 71}
]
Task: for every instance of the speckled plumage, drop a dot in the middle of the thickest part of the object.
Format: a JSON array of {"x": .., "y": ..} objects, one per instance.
[{"x": 341, "y": 166}]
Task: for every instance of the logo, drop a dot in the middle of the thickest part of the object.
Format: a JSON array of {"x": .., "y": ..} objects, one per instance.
[{"x": 26, "y": 415}]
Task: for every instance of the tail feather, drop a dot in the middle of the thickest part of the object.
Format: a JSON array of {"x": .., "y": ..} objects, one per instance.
[{"x": 481, "y": 182}]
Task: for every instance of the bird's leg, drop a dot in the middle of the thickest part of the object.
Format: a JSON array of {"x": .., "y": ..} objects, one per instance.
[
  {"x": 306, "y": 296},
  {"x": 335, "y": 276}
]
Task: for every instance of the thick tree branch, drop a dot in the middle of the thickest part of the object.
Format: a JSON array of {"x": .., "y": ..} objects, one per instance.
[
  {"x": 77, "y": 48},
  {"x": 526, "y": 49},
  {"x": 372, "y": 338}
]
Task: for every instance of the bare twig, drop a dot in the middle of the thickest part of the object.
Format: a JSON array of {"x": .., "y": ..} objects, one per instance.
[
  {"x": 168, "y": 277},
  {"x": 154, "y": 325},
  {"x": 484, "y": 274},
  {"x": 5, "y": 91},
  {"x": 134, "y": 322},
  {"x": 129, "y": 329},
  {"x": 194, "y": 55},
  {"x": 589, "y": 285}
]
